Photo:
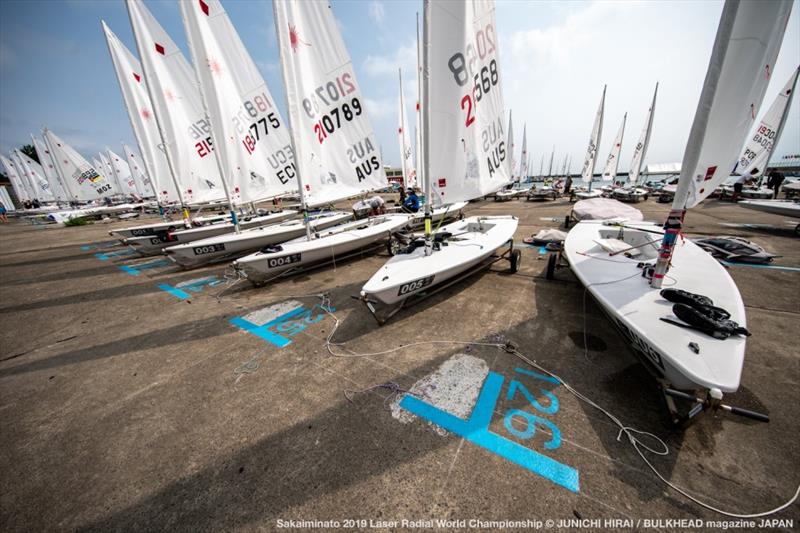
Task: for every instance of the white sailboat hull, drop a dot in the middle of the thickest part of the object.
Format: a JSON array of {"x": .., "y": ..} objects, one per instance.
[
  {"x": 159, "y": 227},
  {"x": 438, "y": 214},
  {"x": 153, "y": 244},
  {"x": 636, "y": 194},
  {"x": 586, "y": 195},
  {"x": 337, "y": 241},
  {"x": 235, "y": 244},
  {"x": 636, "y": 308},
  {"x": 474, "y": 239},
  {"x": 786, "y": 208}
]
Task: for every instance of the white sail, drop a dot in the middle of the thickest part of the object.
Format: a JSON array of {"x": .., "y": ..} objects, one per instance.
[
  {"x": 178, "y": 108},
  {"x": 467, "y": 156},
  {"x": 418, "y": 112},
  {"x": 49, "y": 169},
  {"x": 757, "y": 152},
  {"x": 140, "y": 112},
  {"x": 640, "y": 150},
  {"x": 744, "y": 55},
  {"x": 123, "y": 173},
  {"x": 510, "y": 160},
  {"x": 33, "y": 172},
  {"x": 612, "y": 162},
  {"x": 104, "y": 167},
  {"x": 83, "y": 180},
  {"x": 594, "y": 142},
  {"x": 523, "y": 158},
  {"x": 20, "y": 188},
  {"x": 252, "y": 140},
  {"x": 406, "y": 156},
  {"x": 337, "y": 151},
  {"x": 550, "y": 169},
  {"x": 139, "y": 172}
]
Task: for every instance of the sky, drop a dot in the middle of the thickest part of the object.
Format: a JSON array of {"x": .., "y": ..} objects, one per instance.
[{"x": 556, "y": 57}]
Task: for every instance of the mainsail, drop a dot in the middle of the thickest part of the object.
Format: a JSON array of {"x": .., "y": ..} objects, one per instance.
[
  {"x": 744, "y": 55},
  {"x": 644, "y": 141},
  {"x": 594, "y": 142},
  {"x": 105, "y": 169},
  {"x": 139, "y": 172},
  {"x": 82, "y": 180},
  {"x": 406, "y": 157},
  {"x": 49, "y": 169},
  {"x": 123, "y": 173},
  {"x": 252, "y": 141},
  {"x": 20, "y": 189},
  {"x": 612, "y": 162},
  {"x": 32, "y": 171},
  {"x": 140, "y": 112},
  {"x": 757, "y": 152},
  {"x": 336, "y": 149},
  {"x": 466, "y": 158},
  {"x": 178, "y": 108}
]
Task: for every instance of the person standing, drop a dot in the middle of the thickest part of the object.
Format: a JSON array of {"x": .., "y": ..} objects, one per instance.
[
  {"x": 568, "y": 185},
  {"x": 775, "y": 181},
  {"x": 402, "y": 196},
  {"x": 738, "y": 185}
]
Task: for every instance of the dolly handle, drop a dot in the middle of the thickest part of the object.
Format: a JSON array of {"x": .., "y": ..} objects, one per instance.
[
  {"x": 682, "y": 395},
  {"x": 747, "y": 413}
]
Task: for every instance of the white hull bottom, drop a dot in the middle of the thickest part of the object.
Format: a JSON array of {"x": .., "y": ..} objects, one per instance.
[
  {"x": 473, "y": 240},
  {"x": 636, "y": 308},
  {"x": 233, "y": 245},
  {"x": 630, "y": 195},
  {"x": 337, "y": 241},
  {"x": 586, "y": 195},
  {"x": 154, "y": 244},
  {"x": 785, "y": 208}
]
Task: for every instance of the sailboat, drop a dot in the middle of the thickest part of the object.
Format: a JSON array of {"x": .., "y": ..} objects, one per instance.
[
  {"x": 634, "y": 192},
  {"x": 19, "y": 186},
  {"x": 188, "y": 135},
  {"x": 457, "y": 165},
  {"x": 591, "y": 153},
  {"x": 647, "y": 257},
  {"x": 49, "y": 169},
  {"x": 139, "y": 173},
  {"x": 336, "y": 157},
  {"x": 758, "y": 151}
]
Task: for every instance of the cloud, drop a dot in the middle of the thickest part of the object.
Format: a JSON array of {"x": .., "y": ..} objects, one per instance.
[
  {"x": 377, "y": 12},
  {"x": 380, "y": 109},
  {"x": 404, "y": 57}
]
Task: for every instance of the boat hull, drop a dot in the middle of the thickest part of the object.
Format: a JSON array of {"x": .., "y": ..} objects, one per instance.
[
  {"x": 231, "y": 245},
  {"x": 262, "y": 266},
  {"x": 404, "y": 275},
  {"x": 144, "y": 230},
  {"x": 154, "y": 244},
  {"x": 636, "y": 309},
  {"x": 785, "y": 208}
]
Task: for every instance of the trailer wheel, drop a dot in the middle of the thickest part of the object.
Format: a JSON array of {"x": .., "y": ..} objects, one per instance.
[
  {"x": 393, "y": 246},
  {"x": 515, "y": 259},
  {"x": 551, "y": 266}
]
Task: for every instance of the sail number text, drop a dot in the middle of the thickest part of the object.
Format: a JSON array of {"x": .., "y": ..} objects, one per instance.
[{"x": 332, "y": 121}]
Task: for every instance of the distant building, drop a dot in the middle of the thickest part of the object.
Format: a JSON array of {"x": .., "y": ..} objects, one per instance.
[{"x": 394, "y": 175}]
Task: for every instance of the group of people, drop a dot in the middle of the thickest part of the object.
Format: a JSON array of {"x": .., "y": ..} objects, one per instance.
[
  {"x": 409, "y": 202},
  {"x": 31, "y": 204},
  {"x": 774, "y": 182}
]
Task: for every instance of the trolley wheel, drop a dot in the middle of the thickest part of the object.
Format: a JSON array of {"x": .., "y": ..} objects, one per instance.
[
  {"x": 515, "y": 259},
  {"x": 567, "y": 222},
  {"x": 393, "y": 246},
  {"x": 551, "y": 266}
]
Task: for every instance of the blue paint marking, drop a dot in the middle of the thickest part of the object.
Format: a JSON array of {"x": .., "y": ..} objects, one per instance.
[
  {"x": 753, "y": 265},
  {"x": 86, "y": 248},
  {"x": 175, "y": 292},
  {"x": 101, "y": 257},
  {"x": 108, "y": 255},
  {"x": 542, "y": 250},
  {"x": 198, "y": 285},
  {"x": 278, "y": 330},
  {"x": 129, "y": 270},
  {"x": 476, "y": 430}
]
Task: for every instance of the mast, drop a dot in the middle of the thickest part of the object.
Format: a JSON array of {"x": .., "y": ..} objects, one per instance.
[
  {"x": 426, "y": 118},
  {"x": 298, "y": 157},
  {"x": 222, "y": 174},
  {"x": 156, "y": 115},
  {"x": 420, "y": 147},
  {"x": 550, "y": 169}
]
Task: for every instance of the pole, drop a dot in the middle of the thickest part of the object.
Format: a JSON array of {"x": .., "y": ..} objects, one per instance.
[{"x": 426, "y": 118}]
